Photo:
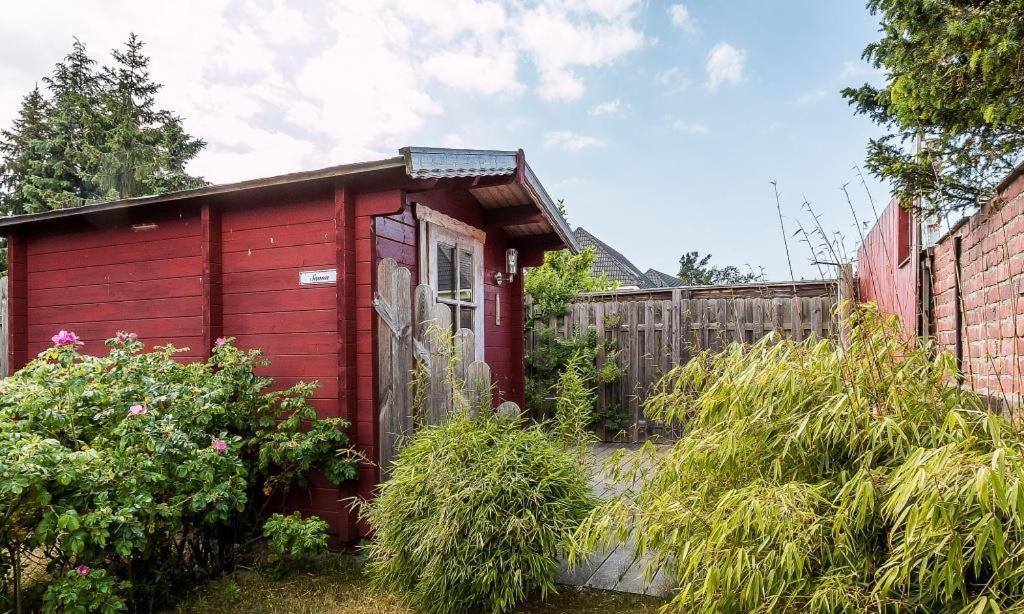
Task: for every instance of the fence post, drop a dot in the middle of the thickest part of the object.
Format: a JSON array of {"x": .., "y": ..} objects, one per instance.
[{"x": 654, "y": 334}]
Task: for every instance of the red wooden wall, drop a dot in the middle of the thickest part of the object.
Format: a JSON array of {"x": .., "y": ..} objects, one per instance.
[
  {"x": 96, "y": 281},
  {"x": 189, "y": 273},
  {"x": 887, "y": 266}
]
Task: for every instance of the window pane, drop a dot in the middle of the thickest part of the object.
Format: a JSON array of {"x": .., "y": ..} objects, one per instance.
[
  {"x": 466, "y": 317},
  {"x": 445, "y": 271},
  {"x": 465, "y": 275}
]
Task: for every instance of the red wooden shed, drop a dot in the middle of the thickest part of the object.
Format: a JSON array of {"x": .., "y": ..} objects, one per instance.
[{"x": 287, "y": 264}]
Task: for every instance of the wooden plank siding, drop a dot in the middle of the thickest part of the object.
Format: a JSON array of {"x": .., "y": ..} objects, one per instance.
[
  {"x": 189, "y": 272},
  {"x": 650, "y": 337},
  {"x": 124, "y": 276}
]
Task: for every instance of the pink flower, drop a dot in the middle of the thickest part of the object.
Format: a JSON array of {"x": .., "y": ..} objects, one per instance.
[
  {"x": 83, "y": 570},
  {"x": 123, "y": 336},
  {"x": 219, "y": 445},
  {"x": 137, "y": 410},
  {"x": 65, "y": 337},
  {"x": 220, "y": 341}
]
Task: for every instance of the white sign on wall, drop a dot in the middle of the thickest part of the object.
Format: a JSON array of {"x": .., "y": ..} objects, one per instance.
[{"x": 312, "y": 278}]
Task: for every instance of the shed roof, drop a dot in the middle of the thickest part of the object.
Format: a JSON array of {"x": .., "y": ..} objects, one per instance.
[{"x": 524, "y": 189}]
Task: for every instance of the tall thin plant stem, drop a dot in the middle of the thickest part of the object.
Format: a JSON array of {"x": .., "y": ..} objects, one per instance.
[{"x": 782, "y": 227}]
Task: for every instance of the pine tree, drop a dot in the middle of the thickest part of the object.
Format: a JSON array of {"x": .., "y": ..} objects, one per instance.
[
  {"x": 127, "y": 160},
  {"x": 954, "y": 89},
  {"x": 146, "y": 149},
  {"x": 21, "y": 149},
  {"x": 69, "y": 161},
  {"x": 98, "y": 136},
  {"x": 175, "y": 150}
]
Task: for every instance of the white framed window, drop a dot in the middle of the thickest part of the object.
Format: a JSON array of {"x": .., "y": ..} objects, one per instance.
[{"x": 452, "y": 262}]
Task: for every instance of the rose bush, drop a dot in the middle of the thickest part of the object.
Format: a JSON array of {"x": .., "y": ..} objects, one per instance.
[{"x": 144, "y": 471}]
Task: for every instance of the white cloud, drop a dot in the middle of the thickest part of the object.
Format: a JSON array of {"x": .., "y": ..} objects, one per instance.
[
  {"x": 559, "y": 41},
  {"x": 675, "y": 78},
  {"x": 724, "y": 65},
  {"x": 569, "y": 141},
  {"x": 686, "y": 127},
  {"x": 281, "y": 85},
  {"x": 681, "y": 18},
  {"x": 489, "y": 73},
  {"x": 611, "y": 107},
  {"x": 812, "y": 97},
  {"x": 453, "y": 140}
]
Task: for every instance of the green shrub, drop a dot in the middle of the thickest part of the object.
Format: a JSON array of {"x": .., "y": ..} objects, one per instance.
[
  {"x": 827, "y": 479},
  {"x": 293, "y": 538},
  {"x": 546, "y": 363},
  {"x": 574, "y": 405},
  {"x": 560, "y": 279},
  {"x": 144, "y": 469},
  {"x": 475, "y": 514},
  {"x": 83, "y": 590}
]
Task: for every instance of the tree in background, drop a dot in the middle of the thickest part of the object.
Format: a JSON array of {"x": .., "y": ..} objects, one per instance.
[
  {"x": 75, "y": 134},
  {"x": 955, "y": 85},
  {"x": 146, "y": 148},
  {"x": 22, "y": 150},
  {"x": 562, "y": 277},
  {"x": 93, "y": 135},
  {"x": 697, "y": 270}
]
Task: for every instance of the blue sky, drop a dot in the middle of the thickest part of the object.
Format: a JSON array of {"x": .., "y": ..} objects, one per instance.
[{"x": 660, "y": 124}]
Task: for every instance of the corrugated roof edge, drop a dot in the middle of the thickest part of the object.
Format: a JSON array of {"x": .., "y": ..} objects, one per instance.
[
  {"x": 212, "y": 190},
  {"x": 440, "y": 163}
]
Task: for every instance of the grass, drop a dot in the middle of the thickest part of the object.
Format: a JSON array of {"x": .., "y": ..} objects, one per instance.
[{"x": 338, "y": 586}]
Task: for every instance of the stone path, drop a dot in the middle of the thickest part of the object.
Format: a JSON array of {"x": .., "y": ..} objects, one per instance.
[{"x": 616, "y": 569}]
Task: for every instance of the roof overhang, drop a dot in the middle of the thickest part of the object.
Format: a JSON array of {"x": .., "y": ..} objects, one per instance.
[
  {"x": 511, "y": 202},
  {"x": 523, "y": 191}
]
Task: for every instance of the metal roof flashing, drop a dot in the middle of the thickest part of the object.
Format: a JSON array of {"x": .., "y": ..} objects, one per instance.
[{"x": 440, "y": 163}]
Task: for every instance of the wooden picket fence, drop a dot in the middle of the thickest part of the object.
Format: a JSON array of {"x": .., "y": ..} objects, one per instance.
[
  {"x": 415, "y": 338},
  {"x": 651, "y": 332}
]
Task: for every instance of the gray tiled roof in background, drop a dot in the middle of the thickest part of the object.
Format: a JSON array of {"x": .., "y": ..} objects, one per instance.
[
  {"x": 663, "y": 280},
  {"x": 617, "y": 267}
]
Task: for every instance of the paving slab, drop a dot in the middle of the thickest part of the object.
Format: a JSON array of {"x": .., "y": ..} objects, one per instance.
[{"x": 617, "y": 568}]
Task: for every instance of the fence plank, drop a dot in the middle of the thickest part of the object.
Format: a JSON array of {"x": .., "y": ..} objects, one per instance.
[
  {"x": 394, "y": 351},
  {"x": 652, "y": 336},
  {"x": 478, "y": 387},
  {"x": 465, "y": 352}
]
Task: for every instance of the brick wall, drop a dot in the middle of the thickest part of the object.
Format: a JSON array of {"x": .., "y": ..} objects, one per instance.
[{"x": 991, "y": 259}]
